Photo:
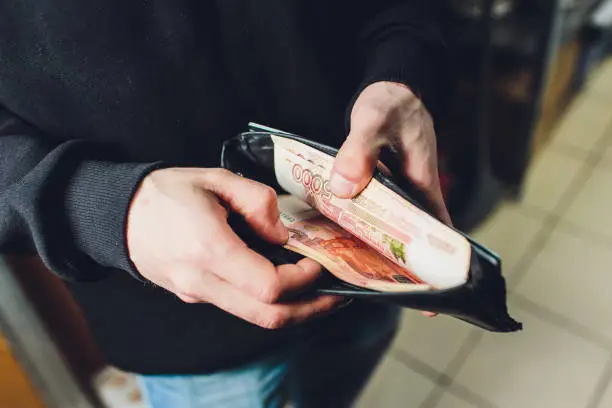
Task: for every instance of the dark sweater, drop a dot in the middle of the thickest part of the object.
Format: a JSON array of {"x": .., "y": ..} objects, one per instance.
[{"x": 94, "y": 94}]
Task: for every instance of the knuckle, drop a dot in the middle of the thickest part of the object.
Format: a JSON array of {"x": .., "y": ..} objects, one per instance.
[
  {"x": 221, "y": 179},
  {"x": 427, "y": 181},
  {"x": 273, "y": 320},
  {"x": 431, "y": 180},
  {"x": 264, "y": 200},
  {"x": 186, "y": 287},
  {"x": 267, "y": 196},
  {"x": 220, "y": 172},
  {"x": 188, "y": 299},
  {"x": 271, "y": 291},
  {"x": 213, "y": 176},
  {"x": 186, "y": 292},
  {"x": 376, "y": 116},
  {"x": 194, "y": 252},
  {"x": 221, "y": 252}
]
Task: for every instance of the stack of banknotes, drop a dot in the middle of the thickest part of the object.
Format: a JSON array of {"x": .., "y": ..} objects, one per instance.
[{"x": 376, "y": 241}]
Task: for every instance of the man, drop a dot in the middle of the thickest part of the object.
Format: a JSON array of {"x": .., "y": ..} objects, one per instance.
[{"x": 112, "y": 115}]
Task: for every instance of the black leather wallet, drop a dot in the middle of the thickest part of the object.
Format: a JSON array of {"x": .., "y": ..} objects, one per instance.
[{"x": 480, "y": 301}]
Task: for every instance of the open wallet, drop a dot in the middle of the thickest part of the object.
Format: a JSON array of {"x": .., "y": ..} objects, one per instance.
[{"x": 385, "y": 245}]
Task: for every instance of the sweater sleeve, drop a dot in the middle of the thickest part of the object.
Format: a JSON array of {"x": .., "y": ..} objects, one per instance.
[
  {"x": 68, "y": 202},
  {"x": 402, "y": 42}
]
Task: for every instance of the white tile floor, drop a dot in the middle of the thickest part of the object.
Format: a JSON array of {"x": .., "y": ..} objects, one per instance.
[{"x": 557, "y": 250}]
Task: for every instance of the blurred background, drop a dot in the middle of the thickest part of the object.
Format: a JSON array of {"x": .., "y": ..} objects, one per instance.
[{"x": 526, "y": 159}]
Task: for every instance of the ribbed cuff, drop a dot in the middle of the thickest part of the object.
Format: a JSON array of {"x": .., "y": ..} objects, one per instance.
[{"x": 97, "y": 203}]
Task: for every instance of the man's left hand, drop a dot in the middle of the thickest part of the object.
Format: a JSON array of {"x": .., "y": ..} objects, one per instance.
[{"x": 389, "y": 114}]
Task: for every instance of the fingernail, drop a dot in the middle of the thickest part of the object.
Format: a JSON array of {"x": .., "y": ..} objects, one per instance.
[{"x": 341, "y": 186}]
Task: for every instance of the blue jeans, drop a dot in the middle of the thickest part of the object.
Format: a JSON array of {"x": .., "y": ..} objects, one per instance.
[{"x": 328, "y": 370}]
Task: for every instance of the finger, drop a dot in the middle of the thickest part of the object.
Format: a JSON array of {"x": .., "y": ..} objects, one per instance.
[
  {"x": 228, "y": 257},
  {"x": 299, "y": 277},
  {"x": 259, "y": 282},
  {"x": 421, "y": 163},
  {"x": 189, "y": 299},
  {"x": 256, "y": 275},
  {"x": 255, "y": 201},
  {"x": 269, "y": 316},
  {"x": 356, "y": 160},
  {"x": 382, "y": 167},
  {"x": 245, "y": 269},
  {"x": 442, "y": 210},
  {"x": 429, "y": 314}
]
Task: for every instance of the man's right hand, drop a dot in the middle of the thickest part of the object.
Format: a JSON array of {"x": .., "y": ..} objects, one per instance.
[{"x": 178, "y": 238}]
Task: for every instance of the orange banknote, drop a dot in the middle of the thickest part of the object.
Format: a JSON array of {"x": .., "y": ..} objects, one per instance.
[
  {"x": 400, "y": 233},
  {"x": 344, "y": 255}
]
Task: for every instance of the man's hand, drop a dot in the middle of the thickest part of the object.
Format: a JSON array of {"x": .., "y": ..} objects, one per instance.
[
  {"x": 179, "y": 238},
  {"x": 389, "y": 114}
]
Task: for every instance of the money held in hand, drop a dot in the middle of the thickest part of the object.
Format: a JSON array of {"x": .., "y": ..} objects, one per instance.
[
  {"x": 375, "y": 240},
  {"x": 346, "y": 256}
]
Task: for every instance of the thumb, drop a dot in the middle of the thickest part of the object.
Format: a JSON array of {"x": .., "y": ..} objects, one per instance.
[
  {"x": 256, "y": 202},
  {"x": 354, "y": 164}
]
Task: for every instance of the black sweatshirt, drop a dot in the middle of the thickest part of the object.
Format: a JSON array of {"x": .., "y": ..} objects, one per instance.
[{"x": 95, "y": 94}]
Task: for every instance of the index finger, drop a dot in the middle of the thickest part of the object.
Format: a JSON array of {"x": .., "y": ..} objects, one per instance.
[
  {"x": 255, "y": 275},
  {"x": 255, "y": 201},
  {"x": 421, "y": 167}
]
